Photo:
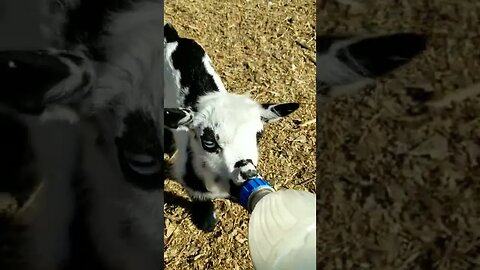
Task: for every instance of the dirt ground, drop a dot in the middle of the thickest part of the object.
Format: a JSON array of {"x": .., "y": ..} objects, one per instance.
[
  {"x": 268, "y": 48},
  {"x": 398, "y": 174}
]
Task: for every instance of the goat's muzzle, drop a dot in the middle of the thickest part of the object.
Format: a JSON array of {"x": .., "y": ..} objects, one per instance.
[{"x": 243, "y": 170}]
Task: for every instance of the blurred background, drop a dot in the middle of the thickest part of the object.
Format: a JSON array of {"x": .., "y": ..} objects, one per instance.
[
  {"x": 21, "y": 24},
  {"x": 398, "y": 175}
]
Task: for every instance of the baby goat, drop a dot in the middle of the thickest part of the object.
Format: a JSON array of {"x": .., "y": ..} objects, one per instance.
[{"x": 216, "y": 132}]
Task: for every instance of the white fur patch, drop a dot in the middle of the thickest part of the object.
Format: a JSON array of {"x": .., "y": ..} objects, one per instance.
[
  {"x": 174, "y": 92},
  {"x": 210, "y": 70}
]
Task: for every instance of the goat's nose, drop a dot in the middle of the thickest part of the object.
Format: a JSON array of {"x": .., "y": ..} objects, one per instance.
[
  {"x": 245, "y": 170},
  {"x": 248, "y": 174}
]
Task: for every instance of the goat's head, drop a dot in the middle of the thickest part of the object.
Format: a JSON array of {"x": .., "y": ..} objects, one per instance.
[
  {"x": 64, "y": 84},
  {"x": 224, "y": 133}
]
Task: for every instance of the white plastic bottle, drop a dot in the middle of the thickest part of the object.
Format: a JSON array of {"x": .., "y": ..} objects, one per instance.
[{"x": 282, "y": 226}]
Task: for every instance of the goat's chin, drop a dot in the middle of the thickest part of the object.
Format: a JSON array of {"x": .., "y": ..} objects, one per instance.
[{"x": 234, "y": 191}]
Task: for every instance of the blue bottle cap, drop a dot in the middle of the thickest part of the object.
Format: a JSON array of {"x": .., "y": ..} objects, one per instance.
[{"x": 249, "y": 187}]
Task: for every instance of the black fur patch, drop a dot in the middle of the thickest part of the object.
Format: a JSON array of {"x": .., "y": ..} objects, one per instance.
[
  {"x": 325, "y": 42},
  {"x": 243, "y": 162},
  {"x": 280, "y": 110},
  {"x": 234, "y": 191},
  {"x": 141, "y": 136},
  {"x": 203, "y": 215},
  {"x": 259, "y": 136},
  {"x": 17, "y": 176},
  {"x": 187, "y": 58},
  {"x": 175, "y": 117},
  {"x": 170, "y": 34},
  {"x": 381, "y": 55}
]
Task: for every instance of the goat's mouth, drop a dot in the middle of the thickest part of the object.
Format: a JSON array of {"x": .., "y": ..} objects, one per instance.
[{"x": 236, "y": 187}]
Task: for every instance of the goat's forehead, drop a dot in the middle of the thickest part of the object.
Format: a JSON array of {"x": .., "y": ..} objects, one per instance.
[
  {"x": 230, "y": 111},
  {"x": 229, "y": 125},
  {"x": 228, "y": 121}
]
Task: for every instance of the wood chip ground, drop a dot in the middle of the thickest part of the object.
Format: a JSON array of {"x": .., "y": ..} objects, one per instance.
[{"x": 398, "y": 176}]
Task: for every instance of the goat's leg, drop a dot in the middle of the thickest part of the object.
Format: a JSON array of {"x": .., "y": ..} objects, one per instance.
[{"x": 203, "y": 214}]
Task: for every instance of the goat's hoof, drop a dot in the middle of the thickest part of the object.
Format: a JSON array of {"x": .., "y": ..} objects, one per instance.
[
  {"x": 204, "y": 216},
  {"x": 206, "y": 223}
]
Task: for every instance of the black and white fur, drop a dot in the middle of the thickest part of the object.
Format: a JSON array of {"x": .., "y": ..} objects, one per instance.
[
  {"x": 107, "y": 60},
  {"x": 215, "y": 132}
]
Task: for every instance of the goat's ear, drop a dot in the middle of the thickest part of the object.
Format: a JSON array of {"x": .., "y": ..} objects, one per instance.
[
  {"x": 34, "y": 79},
  {"x": 178, "y": 118},
  {"x": 377, "y": 56},
  {"x": 349, "y": 60},
  {"x": 272, "y": 112}
]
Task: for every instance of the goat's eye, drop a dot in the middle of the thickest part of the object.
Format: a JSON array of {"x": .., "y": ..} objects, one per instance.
[
  {"x": 210, "y": 146},
  {"x": 209, "y": 143}
]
